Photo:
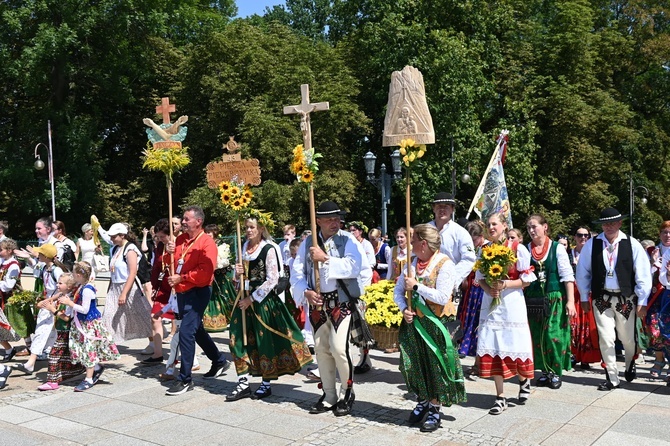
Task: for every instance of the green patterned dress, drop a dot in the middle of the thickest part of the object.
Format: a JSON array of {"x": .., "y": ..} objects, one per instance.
[
  {"x": 551, "y": 335},
  {"x": 219, "y": 308},
  {"x": 426, "y": 375},
  {"x": 275, "y": 345}
]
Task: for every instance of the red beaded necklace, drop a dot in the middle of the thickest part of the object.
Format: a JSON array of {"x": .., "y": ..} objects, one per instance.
[{"x": 539, "y": 254}]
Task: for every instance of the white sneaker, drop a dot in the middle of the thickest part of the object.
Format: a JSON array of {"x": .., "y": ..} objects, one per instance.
[{"x": 148, "y": 350}]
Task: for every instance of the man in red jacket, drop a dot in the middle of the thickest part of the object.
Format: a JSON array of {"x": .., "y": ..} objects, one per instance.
[{"x": 194, "y": 264}]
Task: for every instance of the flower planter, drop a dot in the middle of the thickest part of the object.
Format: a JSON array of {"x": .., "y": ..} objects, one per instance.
[{"x": 386, "y": 338}]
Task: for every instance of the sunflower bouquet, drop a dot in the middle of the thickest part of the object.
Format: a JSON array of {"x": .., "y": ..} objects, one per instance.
[
  {"x": 305, "y": 164},
  {"x": 235, "y": 194},
  {"x": 494, "y": 262},
  {"x": 411, "y": 151}
]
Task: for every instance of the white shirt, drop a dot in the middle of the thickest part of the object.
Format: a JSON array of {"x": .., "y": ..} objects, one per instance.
[
  {"x": 456, "y": 242},
  {"x": 271, "y": 268},
  {"x": 444, "y": 284},
  {"x": 353, "y": 265},
  {"x": 11, "y": 276},
  {"x": 369, "y": 252},
  {"x": 118, "y": 265},
  {"x": 641, "y": 268},
  {"x": 565, "y": 272}
]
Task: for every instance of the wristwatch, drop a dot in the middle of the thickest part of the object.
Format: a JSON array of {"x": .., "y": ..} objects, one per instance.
[{"x": 416, "y": 287}]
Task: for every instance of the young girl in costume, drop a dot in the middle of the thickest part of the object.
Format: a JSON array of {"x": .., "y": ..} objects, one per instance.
[
  {"x": 60, "y": 365},
  {"x": 90, "y": 341},
  {"x": 10, "y": 273},
  {"x": 44, "y": 336}
]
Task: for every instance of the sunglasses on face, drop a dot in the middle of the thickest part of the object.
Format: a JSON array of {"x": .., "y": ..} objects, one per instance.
[{"x": 583, "y": 235}]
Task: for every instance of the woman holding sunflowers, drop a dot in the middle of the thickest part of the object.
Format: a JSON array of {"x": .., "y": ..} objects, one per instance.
[
  {"x": 550, "y": 329},
  {"x": 429, "y": 360},
  {"x": 504, "y": 347}
]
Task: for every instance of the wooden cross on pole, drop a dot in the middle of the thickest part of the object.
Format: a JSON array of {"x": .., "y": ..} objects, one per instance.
[
  {"x": 304, "y": 109},
  {"x": 165, "y": 109}
]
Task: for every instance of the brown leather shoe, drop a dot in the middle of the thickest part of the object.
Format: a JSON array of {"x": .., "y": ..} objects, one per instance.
[{"x": 25, "y": 352}]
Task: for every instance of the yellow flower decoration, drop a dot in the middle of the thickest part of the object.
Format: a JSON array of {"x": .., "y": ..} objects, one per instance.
[
  {"x": 488, "y": 254},
  {"x": 224, "y": 186},
  {"x": 225, "y": 198},
  {"x": 304, "y": 164},
  {"x": 235, "y": 194},
  {"x": 247, "y": 194},
  {"x": 411, "y": 151},
  {"x": 234, "y": 190},
  {"x": 495, "y": 270},
  {"x": 237, "y": 204}
]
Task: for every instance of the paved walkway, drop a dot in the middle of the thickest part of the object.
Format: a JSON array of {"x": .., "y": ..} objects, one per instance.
[{"x": 128, "y": 407}]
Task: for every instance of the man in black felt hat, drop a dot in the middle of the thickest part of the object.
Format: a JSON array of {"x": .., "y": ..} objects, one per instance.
[
  {"x": 615, "y": 269},
  {"x": 455, "y": 240},
  {"x": 343, "y": 269}
]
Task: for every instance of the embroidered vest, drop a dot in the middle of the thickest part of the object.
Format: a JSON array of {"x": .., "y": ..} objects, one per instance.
[
  {"x": 624, "y": 268},
  {"x": 552, "y": 281},
  {"x": 447, "y": 309},
  {"x": 381, "y": 258},
  {"x": 257, "y": 274},
  {"x": 93, "y": 312}
]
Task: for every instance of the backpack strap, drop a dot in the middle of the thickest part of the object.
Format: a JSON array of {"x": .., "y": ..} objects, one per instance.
[{"x": 124, "y": 254}]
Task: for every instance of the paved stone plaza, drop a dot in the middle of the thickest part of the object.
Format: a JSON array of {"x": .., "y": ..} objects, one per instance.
[{"x": 128, "y": 407}]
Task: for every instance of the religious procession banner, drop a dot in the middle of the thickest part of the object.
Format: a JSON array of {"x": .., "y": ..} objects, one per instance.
[{"x": 491, "y": 196}]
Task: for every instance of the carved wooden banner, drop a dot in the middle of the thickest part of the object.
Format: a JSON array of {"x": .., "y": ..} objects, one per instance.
[{"x": 231, "y": 165}]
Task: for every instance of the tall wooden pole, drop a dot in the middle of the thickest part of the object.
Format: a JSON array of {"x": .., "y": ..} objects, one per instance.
[
  {"x": 408, "y": 224},
  {"x": 169, "y": 186},
  {"x": 242, "y": 280},
  {"x": 315, "y": 244}
]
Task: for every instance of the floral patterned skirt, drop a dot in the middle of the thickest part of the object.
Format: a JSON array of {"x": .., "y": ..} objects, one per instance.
[
  {"x": 421, "y": 368},
  {"x": 267, "y": 353},
  {"x": 658, "y": 323},
  {"x": 91, "y": 345},
  {"x": 584, "y": 334},
  {"x": 60, "y": 365}
]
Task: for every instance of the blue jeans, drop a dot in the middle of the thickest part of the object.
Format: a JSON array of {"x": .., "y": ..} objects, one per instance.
[{"x": 192, "y": 305}]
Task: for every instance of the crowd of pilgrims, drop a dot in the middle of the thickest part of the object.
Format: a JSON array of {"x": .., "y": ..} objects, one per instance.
[{"x": 587, "y": 313}]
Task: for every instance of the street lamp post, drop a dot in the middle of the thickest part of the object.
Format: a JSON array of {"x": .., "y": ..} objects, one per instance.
[
  {"x": 383, "y": 182},
  {"x": 39, "y": 165},
  {"x": 632, "y": 189}
]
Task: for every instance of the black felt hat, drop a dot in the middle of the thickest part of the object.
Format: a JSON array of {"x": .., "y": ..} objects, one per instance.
[
  {"x": 444, "y": 198},
  {"x": 328, "y": 209},
  {"x": 609, "y": 215}
]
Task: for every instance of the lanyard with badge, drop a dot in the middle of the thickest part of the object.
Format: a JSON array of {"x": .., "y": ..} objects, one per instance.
[
  {"x": 180, "y": 262},
  {"x": 611, "y": 257}
]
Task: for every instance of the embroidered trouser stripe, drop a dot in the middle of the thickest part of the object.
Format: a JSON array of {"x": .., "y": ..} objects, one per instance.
[
  {"x": 332, "y": 353},
  {"x": 611, "y": 323}
]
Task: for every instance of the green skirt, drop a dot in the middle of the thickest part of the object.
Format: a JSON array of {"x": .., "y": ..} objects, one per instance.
[
  {"x": 21, "y": 319},
  {"x": 421, "y": 369},
  {"x": 218, "y": 310},
  {"x": 274, "y": 348},
  {"x": 551, "y": 337}
]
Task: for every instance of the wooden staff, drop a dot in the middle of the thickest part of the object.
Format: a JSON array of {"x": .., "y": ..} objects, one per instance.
[
  {"x": 169, "y": 186},
  {"x": 242, "y": 280},
  {"x": 408, "y": 223},
  {"x": 315, "y": 244}
]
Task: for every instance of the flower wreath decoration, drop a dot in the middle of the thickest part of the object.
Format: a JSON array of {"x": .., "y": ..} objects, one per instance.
[{"x": 263, "y": 218}]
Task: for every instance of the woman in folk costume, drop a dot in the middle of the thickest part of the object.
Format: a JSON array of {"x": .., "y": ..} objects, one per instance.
[
  {"x": 429, "y": 360},
  {"x": 469, "y": 307},
  {"x": 657, "y": 320},
  {"x": 223, "y": 290},
  {"x": 275, "y": 346},
  {"x": 399, "y": 254},
  {"x": 556, "y": 282},
  {"x": 583, "y": 331},
  {"x": 504, "y": 347}
]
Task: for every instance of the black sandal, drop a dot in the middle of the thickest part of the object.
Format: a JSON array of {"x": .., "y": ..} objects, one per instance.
[{"x": 524, "y": 391}]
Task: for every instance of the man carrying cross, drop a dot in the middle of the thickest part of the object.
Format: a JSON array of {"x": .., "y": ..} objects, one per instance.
[{"x": 342, "y": 269}]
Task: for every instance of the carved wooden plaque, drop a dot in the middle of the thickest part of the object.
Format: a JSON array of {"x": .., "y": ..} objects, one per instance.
[
  {"x": 248, "y": 170},
  {"x": 407, "y": 114}
]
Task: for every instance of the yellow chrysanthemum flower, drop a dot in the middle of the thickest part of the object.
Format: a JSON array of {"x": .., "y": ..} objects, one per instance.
[{"x": 495, "y": 270}]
